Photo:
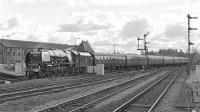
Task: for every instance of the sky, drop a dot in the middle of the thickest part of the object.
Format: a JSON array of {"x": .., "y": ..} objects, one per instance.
[{"x": 102, "y": 23}]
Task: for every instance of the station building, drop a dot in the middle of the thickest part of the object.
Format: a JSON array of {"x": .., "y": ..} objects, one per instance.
[{"x": 14, "y": 51}]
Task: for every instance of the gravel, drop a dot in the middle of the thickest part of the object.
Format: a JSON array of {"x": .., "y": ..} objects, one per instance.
[
  {"x": 148, "y": 99},
  {"x": 35, "y": 82},
  {"x": 39, "y": 82},
  {"x": 40, "y": 101},
  {"x": 109, "y": 104},
  {"x": 178, "y": 95}
]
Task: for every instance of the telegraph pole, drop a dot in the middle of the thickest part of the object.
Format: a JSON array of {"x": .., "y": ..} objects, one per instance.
[
  {"x": 145, "y": 49},
  {"x": 189, "y": 42}
]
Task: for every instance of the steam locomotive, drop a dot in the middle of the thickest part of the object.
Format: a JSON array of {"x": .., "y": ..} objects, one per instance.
[{"x": 57, "y": 62}]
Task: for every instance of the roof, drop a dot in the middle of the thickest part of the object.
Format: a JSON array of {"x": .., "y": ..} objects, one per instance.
[
  {"x": 73, "y": 47},
  {"x": 103, "y": 54},
  {"x": 31, "y": 44},
  {"x": 85, "y": 47}
]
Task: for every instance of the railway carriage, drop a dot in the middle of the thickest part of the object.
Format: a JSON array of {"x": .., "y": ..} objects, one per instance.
[
  {"x": 155, "y": 61},
  {"x": 111, "y": 61},
  {"x": 135, "y": 61},
  {"x": 168, "y": 60},
  {"x": 183, "y": 60},
  {"x": 151, "y": 60},
  {"x": 176, "y": 60}
]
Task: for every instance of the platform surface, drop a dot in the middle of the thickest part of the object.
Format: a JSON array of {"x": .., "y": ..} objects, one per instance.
[{"x": 13, "y": 73}]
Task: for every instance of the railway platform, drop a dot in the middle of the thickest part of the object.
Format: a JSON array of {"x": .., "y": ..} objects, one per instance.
[
  {"x": 12, "y": 70},
  {"x": 13, "y": 73},
  {"x": 7, "y": 77}
]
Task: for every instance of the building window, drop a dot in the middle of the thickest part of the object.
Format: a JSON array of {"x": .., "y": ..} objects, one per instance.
[
  {"x": 18, "y": 51},
  {"x": 13, "y": 51},
  {"x": 24, "y": 52},
  {"x": 8, "y": 51}
]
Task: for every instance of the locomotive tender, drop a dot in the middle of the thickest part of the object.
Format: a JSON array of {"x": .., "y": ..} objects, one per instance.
[{"x": 48, "y": 63}]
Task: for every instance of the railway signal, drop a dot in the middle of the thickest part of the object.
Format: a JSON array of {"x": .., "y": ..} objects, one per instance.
[
  {"x": 189, "y": 42},
  {"x": 145, "y": 49}
]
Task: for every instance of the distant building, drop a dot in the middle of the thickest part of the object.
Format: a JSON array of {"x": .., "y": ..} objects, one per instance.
[
  {"x": 14, "y": 51},
  {"x": 85, "y": 46}
]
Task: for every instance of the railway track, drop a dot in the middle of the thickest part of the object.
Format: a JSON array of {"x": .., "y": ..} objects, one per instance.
[
  {"x": 74, "y": 81},
  {"x": 148, "y": 99},
  {"x": 17, "y": 94},
  {"x": 53, "y": 83},
  {"x": 81, "y": 103}
]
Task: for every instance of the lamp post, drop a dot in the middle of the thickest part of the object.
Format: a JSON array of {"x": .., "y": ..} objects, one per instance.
[
  {"x": 114, "y": 48},
  {"x": 75, "y": 40}
]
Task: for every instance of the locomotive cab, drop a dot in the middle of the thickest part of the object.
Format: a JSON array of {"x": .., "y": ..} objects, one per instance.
[{"x": 81, "y": 61}]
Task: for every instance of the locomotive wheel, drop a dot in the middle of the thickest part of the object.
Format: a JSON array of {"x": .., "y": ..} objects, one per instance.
[
  {"x": 41, "y": 74},
  {"x": 71, "y": 71},
  {"x": 57, "y": 72},
  {"x": 62, "y": 72},
  {"x": 28, "y": 74},
  {"x": 47, "y": 73},
  {"x": 37, "y": 74},
  {"x": 31, "y": 74}
]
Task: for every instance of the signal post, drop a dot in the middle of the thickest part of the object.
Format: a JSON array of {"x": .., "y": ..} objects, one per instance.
[
  {"x": 145, "y": 49},
  {"x": 189, "y": 42}
]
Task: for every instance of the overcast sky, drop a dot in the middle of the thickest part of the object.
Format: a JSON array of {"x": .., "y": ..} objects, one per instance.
[{"x": 101, "y": 22}]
